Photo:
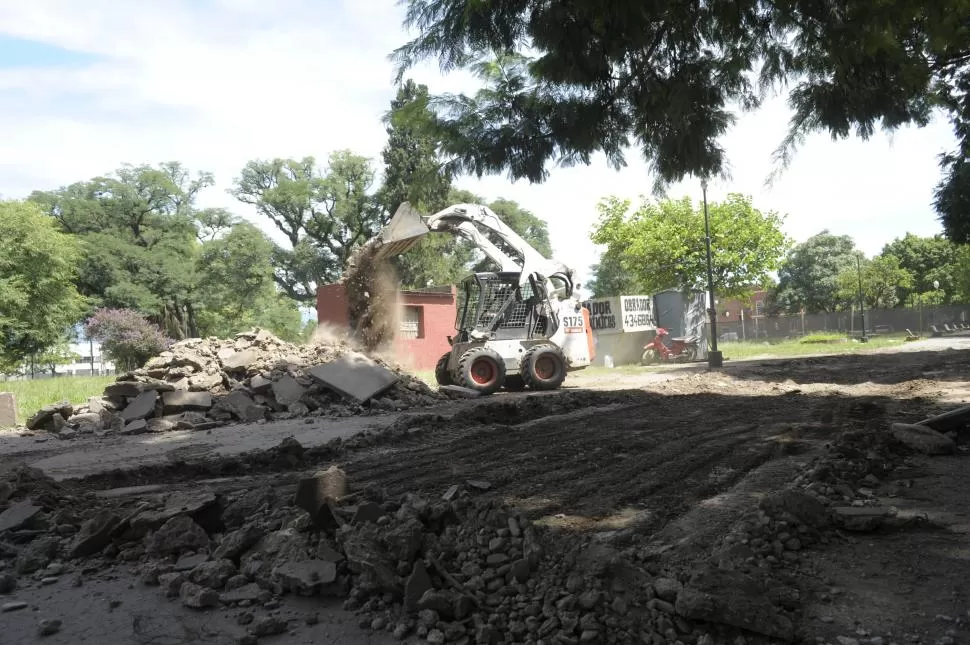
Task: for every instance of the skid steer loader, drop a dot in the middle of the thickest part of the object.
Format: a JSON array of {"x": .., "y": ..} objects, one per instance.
[{"x": 519, "y": 327}]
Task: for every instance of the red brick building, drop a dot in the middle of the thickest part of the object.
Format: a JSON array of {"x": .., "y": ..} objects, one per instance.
[
  {"x": 746, "y": 319},
  {"x": 427, "y": 319}
]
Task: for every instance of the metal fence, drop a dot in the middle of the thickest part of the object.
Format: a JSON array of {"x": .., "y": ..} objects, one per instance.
[{"x": 846, "y": 322}]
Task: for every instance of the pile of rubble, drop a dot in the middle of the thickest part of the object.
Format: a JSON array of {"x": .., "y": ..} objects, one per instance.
[{"x": 203, "y": 383}]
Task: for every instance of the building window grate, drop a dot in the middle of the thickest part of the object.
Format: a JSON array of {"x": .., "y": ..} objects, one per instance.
[{"x": 412, "y": 323}]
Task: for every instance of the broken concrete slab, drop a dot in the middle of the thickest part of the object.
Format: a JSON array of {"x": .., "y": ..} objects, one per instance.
[
  {"x": 923, "y": 439},
  {"x": 95, "y": 534},
  {"x": 860, "y": 518},
  {"x": 249, "y": 592},
  {"x": 199, "y": 382},
  {"x": 316, "y": 495},
  {"x": 239, "y": 360},
  {"x": 732, "y": 598},
  {"x": 43, "y": 418},
  {"x": 355, "y": 376},
  {"x": 182, "y": 401},
  {"x": 142, "y": 407},
  {"x": 957, "y": 419},
  {"x": 242, "y": 407},
  {"x": 287, "y": 390},
  {"x": 138, "y": 426},
  {"x": 458, "y": 390},
  {"x": 8, "y": 410},
  {"x": 260, "y": 383},
  {"x": 18, "y": 515},
  {"x": 306, "y": 577}
]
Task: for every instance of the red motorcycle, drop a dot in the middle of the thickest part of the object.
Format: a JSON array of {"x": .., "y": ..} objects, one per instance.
[{"x": 680, "y": 349}]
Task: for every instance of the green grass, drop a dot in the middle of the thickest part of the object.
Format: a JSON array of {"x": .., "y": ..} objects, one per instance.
[
  {"x": 812, "y": 344},
  {"x": 35, "y": 394},
  {"x": 820, "y": 337}
]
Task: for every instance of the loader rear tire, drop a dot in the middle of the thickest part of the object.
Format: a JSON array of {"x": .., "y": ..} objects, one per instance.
[
  {"x": 543, "y": 367},
  {"x": 481, "y": 369},
  {"x": 441, "y": 372}
]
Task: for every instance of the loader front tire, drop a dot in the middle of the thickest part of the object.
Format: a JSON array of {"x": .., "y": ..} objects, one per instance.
[
  {"x": 543, "y": 367},
  {"x": 481, "y": 369},
  {"x": 441, "y": 372}
]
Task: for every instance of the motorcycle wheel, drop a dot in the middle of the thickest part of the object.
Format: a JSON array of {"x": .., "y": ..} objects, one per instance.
[
  {"x": 690, "y": 354},
  {"x": 649, "y": 357}
]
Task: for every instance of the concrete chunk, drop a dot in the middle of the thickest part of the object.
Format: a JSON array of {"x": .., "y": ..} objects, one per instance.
[
  {"x": 142, "y": 407},
  {"x": 458, "y": 390},
  {"x": 287, "y": 390},
  {"x": 240, "y": 360},
  {"x": 182, "y": 401},
  {"x": 356, "y": 376},
  {"x": 8, "y": 410},
  {"x": 925, "y": 440},
  {"x": 18, "y": 515}
]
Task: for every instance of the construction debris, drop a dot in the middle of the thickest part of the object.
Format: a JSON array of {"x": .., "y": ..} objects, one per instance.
[
  {"x": 202, "y": 383},
  {"x": 372, "y": 296}
]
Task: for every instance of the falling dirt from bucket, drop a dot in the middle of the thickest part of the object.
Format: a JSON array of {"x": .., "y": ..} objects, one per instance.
[{"x": 372, "y": 297}]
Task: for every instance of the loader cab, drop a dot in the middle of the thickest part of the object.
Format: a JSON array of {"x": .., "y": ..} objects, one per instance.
[{"x": 494, "y": 304}]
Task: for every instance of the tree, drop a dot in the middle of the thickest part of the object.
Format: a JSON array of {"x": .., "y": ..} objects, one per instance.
[
  {"x": 665, "y": 76},
  {"x": 611, "y": 277},
  {"x": 127, "y": 338},
  {"x": 808, "y": 278},
  {"x": 927, "y": 259},
  {"x": 58, "y": 354},
  {"x": 882, "y": 279},
  {"x": 527, "y": 224},
  {"x": 38, "y": 299},
  {"x": 235, "y": 273},
  {"x": 662, "y": 244},
  {"x": 138, "y": 233},
  {"x": 324, "y": 213},
  {"x": 962, "y": 283}
]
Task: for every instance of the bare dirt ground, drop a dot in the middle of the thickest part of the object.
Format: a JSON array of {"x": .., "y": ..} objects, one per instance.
[{"x": 662, "y": 466}]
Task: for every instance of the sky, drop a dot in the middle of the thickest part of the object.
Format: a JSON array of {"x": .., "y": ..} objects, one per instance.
[{"x": 88, "y": 86}]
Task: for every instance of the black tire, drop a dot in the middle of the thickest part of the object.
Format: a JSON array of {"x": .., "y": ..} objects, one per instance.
[
  {"x": 441, "y": 372},
  {"x": 481, "y": 369},
  {"x": 649, "y": 357},
  {"x": 543, "y": 367},
  {"x": 514, "y": 383}
]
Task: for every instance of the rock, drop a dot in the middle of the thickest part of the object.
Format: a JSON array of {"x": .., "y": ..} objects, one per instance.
[
  {"x": 804, "y": 507},
  {"x": 521, "y": 570},
  {"x": 87, "y": 423},
  {"x": 171, "y": 583},
  {"x": 667, "y": 588},
  {"x": 287, "y": 390},
  {"x": 268, "y": 626},
  {"x": 8, "y": 410},
  {"x": 251, "y": 503},
  {"x": 37, "y": 554},
  {"x": 213, "y": 574},
  {"x": 204, "y": 382},
  {"x": 8, "y": 583},
  {"x": 249, "y": 592},
  {"x": 923, "y": 439},
  {"x": 17, "y": 515},
  {"x": 860, "y": 519},
  {"x": 142, "y": 407},
  {"x": 260, "y": 384},
  {"x": 366, "y": 556},
  {"x": 367, "y": 512},
  {"x": 239, "y": 360},
  {"x": 48, "y": 627},
  {"x": 177, "y": 535},
  {"x": 182, "y": 401},
  {"x": 95, "y": 534},
  {"x": 234, "y": 544},
  {"x": 43, "y": 419},
  {"x": 197, "y": 597},
  {"x": 418, "y": 583},
  {"x": 436, "y": 637},
  {"x": 241, "y": 406},
  {"x": 732, "y": 598},
  {"x": 12, "y": 606},
  {"x": 478, "y": 485},
  {"x": 305, "y": 577},
  {"x": 190, "y": 562},
  {"x": 317, "y": 494},
  {"x": 138, "y": 426}
]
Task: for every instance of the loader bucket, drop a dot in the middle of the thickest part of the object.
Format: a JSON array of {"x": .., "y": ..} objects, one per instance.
[{"x": 404, "y": 230}]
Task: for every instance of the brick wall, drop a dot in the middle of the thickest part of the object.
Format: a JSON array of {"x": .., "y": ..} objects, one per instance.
[{"x": 427, "y": 319}]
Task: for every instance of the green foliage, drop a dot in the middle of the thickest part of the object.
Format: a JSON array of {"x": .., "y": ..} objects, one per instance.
[
  {"x": 962, "y": 273},
  {"x": 612, "y": 278},
  {"x": 662, "y": 244},
  {"x": 236, "y": 275},
  {"x": 324, "y": 213},
  {"x": 38, "y": 300},
  {"x": 808, "y": 278},
  {"x": 927, "y": 259},
  {"x": 138, "y": 235},
  {"x": 883, "y": 281},
  {"x": 57, "y": 354},
  {"x": 530, "y": 228},
  {"x": 821, "y": 339},
  {"x": 664, "y": 77},
  {"x": 127, "y": 338}
]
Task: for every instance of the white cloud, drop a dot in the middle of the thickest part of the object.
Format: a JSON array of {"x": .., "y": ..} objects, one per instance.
[{"x": 215, "y": 84}]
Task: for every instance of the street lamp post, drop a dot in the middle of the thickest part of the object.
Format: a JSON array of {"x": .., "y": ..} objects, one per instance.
[
  {"x": 862, "y": 301},
  {"x": 714, "y": 357}
]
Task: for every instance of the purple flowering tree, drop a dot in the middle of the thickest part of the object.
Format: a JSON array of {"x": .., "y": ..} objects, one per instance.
[{"x": 126, "y": 337}]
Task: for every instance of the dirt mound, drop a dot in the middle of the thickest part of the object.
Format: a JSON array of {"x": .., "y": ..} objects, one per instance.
[
  {"x": 202, "y": 383},
  {"x": 372, "y": 287}
]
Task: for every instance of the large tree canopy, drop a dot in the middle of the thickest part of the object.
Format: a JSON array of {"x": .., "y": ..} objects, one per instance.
[
  {"x": 662, "y": 245},
  {"x": 665, "y": 77},
  {"x": 809, "y": 276}
]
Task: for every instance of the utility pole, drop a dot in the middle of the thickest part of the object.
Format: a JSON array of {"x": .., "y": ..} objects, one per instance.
[
  {"x": 862, "y": 301},
  {"x": 714, "y": 357}
]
